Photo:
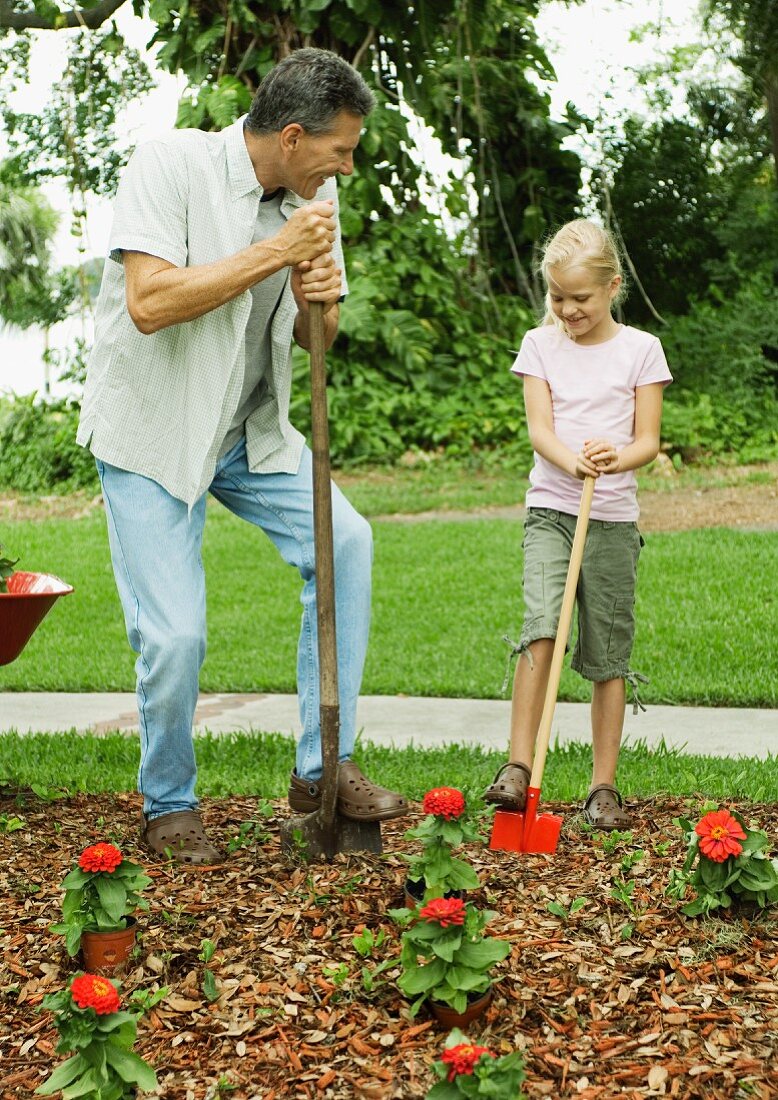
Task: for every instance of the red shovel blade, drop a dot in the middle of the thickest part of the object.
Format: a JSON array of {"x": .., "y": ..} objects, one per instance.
[
  {"x": 28, "y": 599},
  {"x": 525, "y": 831}
]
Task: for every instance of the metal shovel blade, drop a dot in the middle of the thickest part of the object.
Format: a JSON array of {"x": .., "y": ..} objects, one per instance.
[{"x": 525, "y": 830}]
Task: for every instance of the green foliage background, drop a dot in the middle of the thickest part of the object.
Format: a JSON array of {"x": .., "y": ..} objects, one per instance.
[{"x": 438, "y": 298}]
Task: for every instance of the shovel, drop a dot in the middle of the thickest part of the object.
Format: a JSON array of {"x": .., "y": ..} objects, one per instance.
[
  {"x": 528, "y": 831},
  {"x": 325, "y": 832}
]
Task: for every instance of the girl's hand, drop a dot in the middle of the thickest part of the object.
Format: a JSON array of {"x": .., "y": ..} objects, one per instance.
[
  {"x": 584, "y": 467},
  {"x": 602, "y": 454}
]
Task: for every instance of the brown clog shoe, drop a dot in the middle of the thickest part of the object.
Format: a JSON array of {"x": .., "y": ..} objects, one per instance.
[
  {"x": 358, "y": 797},
  {"x": 509, "y": 787},
  {"x": 180, "y": 836},
  {"x": 603, "y": 809}
]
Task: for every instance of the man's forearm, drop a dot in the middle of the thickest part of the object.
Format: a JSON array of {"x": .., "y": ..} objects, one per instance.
[{"x": 158, "y": 297}]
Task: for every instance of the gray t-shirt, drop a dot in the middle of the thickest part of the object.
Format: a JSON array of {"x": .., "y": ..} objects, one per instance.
[{"x": 265, "y": 296}]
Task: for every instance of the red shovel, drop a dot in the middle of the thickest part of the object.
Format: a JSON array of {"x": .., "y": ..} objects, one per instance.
[{"x": 526, "y": 830}]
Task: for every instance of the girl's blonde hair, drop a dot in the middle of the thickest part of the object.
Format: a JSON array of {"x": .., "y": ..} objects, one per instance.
[{"x": 581, "y": 243}]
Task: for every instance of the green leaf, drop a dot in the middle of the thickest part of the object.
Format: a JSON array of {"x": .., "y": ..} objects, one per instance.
[
  {"x": 756, "y": 841},
  {"x": 444, "y": 1090},
  {"x": 130, "y": 1067},
  {"x": 462, "y": 876},
  {"x": 210, "y": 989},
  {"x": 446, "y": 948},
  {"x": 113, "y": 897},
  {"x": 422, "y": 980},
  {"x": 63, "y": 1075},
  {"x": 462, "y": 977},
  {"x": 481, "y": 956},
  {"x": 714, "y": 875},
  {"x": 73, "y": 938},
  {"x": 76, "y": 879},
  {"x": 86, "y": 1086}
]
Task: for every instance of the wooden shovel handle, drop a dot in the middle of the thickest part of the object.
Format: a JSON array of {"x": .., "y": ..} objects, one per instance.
[
  {"x": 325, "y": 570},
  {"x": 565, "y": 617}
]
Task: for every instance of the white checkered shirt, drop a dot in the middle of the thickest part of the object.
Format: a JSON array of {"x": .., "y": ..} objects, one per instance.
[{"x": 160, "y": 404}]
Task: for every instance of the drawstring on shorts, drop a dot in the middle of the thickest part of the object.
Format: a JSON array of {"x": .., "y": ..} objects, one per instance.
[
  {"x": 634, "y": 679},
  {"x": 514, "y": 651}
]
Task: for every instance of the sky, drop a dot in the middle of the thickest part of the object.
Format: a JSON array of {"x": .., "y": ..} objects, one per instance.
[{"x": 589, "y": 45}]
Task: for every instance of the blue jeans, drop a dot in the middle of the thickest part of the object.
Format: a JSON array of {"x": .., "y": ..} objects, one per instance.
[{"x": 155, "y": 549}]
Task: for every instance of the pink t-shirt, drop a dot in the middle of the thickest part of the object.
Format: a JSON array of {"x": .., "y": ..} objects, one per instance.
[{"x": 593, "y": 396}]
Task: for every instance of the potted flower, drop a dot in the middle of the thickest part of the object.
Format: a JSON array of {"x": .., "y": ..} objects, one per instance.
[
  {"x": 732, "y": 864},
  {"x": 92, "y": 1024},
  {"x": 436, "y": 872},
  {"x": 101, "y": 894},
  {"x": 446, "y": 958},
  {"x": 465, "y": 1069}
]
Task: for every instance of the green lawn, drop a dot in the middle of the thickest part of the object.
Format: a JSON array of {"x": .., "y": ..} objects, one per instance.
[
  {"x": 444, "y": 595},
  {"x": 259, "y": 763}
]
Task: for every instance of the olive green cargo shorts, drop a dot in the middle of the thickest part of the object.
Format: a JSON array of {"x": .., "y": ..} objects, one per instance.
[{"x": 606, "y": 589}]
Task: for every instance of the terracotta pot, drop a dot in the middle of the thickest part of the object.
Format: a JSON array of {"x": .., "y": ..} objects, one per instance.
[
  {"x": 107, "y": 952},
  {"x": 449, "y": 1018}
]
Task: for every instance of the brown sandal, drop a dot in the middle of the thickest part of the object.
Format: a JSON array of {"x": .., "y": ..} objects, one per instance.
[
  {"x": 179, "y": 835},
  {"x": 603, "y": 809},
  {"x": 509, "y": 788},
  {"x": 358, "y": 797}
]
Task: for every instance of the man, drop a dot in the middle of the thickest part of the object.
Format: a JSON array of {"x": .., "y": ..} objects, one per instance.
[{"x": 219, "y": 243}]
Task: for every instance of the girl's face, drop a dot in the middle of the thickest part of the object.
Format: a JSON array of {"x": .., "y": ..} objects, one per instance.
[{"x": 583, "y": 305}]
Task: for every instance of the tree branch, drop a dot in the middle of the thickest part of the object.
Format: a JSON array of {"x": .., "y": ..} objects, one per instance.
[
  {"x": 612, "y": 220},
  {"x": 91, "y": 18},
  {"x": 359, "y": 56}
]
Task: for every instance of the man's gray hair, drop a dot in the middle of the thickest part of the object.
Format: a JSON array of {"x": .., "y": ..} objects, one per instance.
[{"x": 309, "y": 87}]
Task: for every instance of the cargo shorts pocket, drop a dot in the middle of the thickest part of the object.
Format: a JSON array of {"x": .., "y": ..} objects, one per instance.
[{"x": 622, "y": 632}]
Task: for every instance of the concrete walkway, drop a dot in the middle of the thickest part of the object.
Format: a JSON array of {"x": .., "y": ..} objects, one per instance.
[{"x": 402, "y": 720}]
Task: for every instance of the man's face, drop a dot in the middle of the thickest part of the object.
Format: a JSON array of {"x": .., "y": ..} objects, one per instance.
[{"x": 313, "y": 158}]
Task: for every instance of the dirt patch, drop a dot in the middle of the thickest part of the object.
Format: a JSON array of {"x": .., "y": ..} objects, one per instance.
[
  {"x": 730, "y": 498},
  {"x": 17, "y": 506},
  {"x": 625, "y": 997},
  {"x": 746, "y": 504}
]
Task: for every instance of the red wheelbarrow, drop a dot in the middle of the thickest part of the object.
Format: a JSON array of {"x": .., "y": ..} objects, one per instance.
[{"x": 23, "y": 606}]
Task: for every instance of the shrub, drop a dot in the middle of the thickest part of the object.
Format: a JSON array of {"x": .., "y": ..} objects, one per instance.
[
  {"x": 38, "y": 449},
  {"x": 724, "y": 358}
]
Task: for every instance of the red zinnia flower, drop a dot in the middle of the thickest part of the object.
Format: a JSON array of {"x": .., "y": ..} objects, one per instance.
[
  {"x": 444, "y": 911},
  {"x": 463, "y": 1058},
  {"x": 445, "y": 802},
  {"x": 719, "y": 833},
  {"x": 100, "y": 857},
  {"x": 91, "y": 991}
]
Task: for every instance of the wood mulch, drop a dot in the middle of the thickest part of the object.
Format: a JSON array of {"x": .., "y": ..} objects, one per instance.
[{"x": 671, "y": 1007}]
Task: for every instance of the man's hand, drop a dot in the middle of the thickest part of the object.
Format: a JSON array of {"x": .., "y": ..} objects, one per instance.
[
  {"x": 308, "y": 233},
  {"x": 603, "y": 454},
  {"x": 317, "y": 281}
]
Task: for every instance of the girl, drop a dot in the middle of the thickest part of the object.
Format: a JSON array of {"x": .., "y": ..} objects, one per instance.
[{"x": 593, "y": 396}]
